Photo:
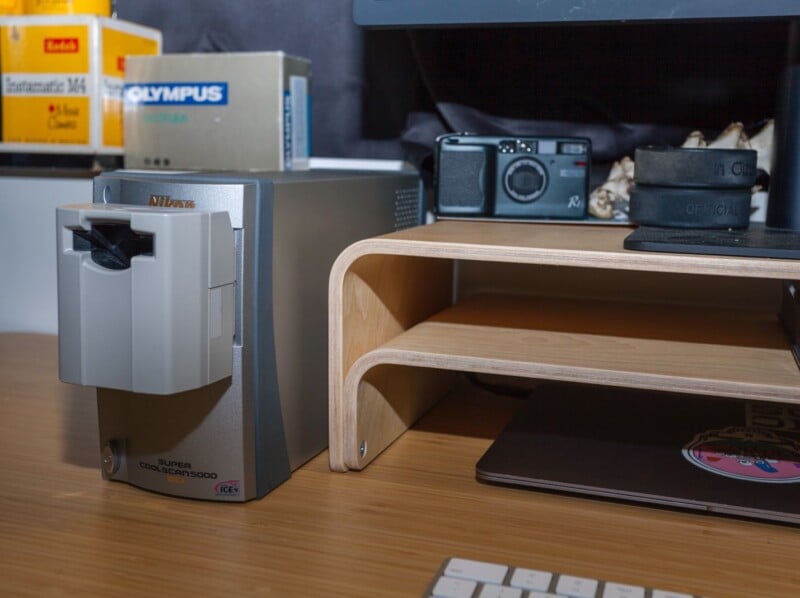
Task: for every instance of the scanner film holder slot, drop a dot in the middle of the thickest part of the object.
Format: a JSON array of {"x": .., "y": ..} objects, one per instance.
[{"x": 113, "y": 244}]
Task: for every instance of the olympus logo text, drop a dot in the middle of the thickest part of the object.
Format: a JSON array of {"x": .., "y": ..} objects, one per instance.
[{"x": 176, "y": 94}]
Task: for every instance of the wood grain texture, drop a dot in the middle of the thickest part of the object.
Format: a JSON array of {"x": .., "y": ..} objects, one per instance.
[
  {"x": 732, "y": 353},
  {"x": 388, "y": 400},
  {"x": 373, "y": 298},
  {"x": 606, "y": 284},
  {"x": 566, "y": 245},
  {"x": 696, "y": 341},
  {"x": 379, "y": 532}
]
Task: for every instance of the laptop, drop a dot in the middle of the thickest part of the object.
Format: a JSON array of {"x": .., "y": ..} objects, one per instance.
[{"x": 724, "y": 456}]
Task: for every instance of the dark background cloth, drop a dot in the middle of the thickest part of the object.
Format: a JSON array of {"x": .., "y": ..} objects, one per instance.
[
  {"x": 343, "y": 69},
  {"x": 382, "y": 93}
]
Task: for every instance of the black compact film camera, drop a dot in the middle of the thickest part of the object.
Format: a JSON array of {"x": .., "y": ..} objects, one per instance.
[{"x": 512, "y": 177}]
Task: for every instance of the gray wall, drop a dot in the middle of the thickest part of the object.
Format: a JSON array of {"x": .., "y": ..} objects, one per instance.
[{"x": 28, "y": 301}]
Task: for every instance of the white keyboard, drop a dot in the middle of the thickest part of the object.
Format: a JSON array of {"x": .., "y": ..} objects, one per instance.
[{"x": 463, "y": 578}]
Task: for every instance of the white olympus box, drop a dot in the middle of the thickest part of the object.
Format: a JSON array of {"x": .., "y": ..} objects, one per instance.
[{"x": 220, "y": 111}]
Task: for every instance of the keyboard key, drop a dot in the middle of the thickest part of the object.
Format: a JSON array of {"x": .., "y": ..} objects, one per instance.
[
  {"x": 663, "y": 594},
  {"x": 465, "y": 578},
  {"x": 620, "y": 590},
  {"x": 450, "y": 587},
  {"x": 491, "y": 590},
  {"x": 477, "y": 570},
  {"x": 531, "y": 579},
  {"x": 576, "y": 587}
]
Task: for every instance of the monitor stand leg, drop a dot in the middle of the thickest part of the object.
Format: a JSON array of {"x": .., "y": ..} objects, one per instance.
[{"x": 783, "y": 209}]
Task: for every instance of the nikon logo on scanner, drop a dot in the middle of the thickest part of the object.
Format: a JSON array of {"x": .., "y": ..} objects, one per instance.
[
  {"x": 165, "y": 201},
  {"x": 175, "y": 94}
]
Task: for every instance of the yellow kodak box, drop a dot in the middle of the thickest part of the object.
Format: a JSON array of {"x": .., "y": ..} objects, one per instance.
[
  {"x": 12, "y": 7},
  {"x": 68, "y": 7},
  {"x": 62, "y": 80}
]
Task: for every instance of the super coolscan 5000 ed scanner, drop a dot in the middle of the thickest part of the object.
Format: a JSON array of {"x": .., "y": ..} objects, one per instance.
[{"x": 196, "y": 303}]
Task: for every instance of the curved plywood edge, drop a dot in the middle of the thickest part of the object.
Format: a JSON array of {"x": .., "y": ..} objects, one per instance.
[
  {"x": 719, "y": 369},
  {"x": 382, "y": 402},
  {"x": 373, "y": 297},
  {"x": 381, "y": 288},
  {"x": 566, "y": 245},
  {"x": 731, "y": 353}
]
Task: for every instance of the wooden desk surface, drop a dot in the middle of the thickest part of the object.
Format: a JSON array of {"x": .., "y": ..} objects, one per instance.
[{"x": 380, "y": 532}]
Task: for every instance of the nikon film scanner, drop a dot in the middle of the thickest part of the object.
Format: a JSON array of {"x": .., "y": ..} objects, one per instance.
[{"x": 196, "y": 303}]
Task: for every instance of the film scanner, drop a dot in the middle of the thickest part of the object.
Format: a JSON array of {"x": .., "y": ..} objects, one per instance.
[{"x": 196, "y": 304}]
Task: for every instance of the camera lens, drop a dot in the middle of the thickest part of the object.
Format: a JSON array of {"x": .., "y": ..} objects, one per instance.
[{"x": 525, "y": 180}]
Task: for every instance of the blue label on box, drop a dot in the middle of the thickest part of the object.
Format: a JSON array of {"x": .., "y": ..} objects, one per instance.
[
  {"x": 287, "y": 130},
  {"x": 176, "y": 94}
]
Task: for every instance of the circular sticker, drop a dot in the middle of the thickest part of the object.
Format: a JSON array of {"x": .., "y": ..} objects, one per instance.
[{"x": 750, "y": 454}]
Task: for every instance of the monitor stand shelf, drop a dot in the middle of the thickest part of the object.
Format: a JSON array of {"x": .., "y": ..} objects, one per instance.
[{"x": 410, "y": 310}]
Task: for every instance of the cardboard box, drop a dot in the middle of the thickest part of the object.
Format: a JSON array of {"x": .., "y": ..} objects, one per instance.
[
  {"x": 219, "y": 111},
  {"x": 11, "y": 7},
  {"x": 62, "y": 80},
  {"x": 68, "y": 7}
]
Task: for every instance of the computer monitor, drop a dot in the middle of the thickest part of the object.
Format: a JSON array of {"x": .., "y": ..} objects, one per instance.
[{"x": 401, "y": 13}]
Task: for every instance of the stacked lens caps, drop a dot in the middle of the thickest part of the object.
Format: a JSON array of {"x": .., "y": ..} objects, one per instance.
[{"x": 692, "y": 187}]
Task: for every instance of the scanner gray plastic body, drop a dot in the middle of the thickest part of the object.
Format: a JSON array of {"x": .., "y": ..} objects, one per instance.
[
  {"x": 158, "y": 322},
  {"x": 196, "y": 303}
]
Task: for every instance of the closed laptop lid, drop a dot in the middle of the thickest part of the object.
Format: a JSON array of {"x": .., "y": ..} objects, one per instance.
[{"x": 722, "y": 455}]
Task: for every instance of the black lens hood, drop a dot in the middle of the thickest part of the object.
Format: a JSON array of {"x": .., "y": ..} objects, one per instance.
[
  {"x": 695, "y": 167},
  {"x": 689, "y": 208}
]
